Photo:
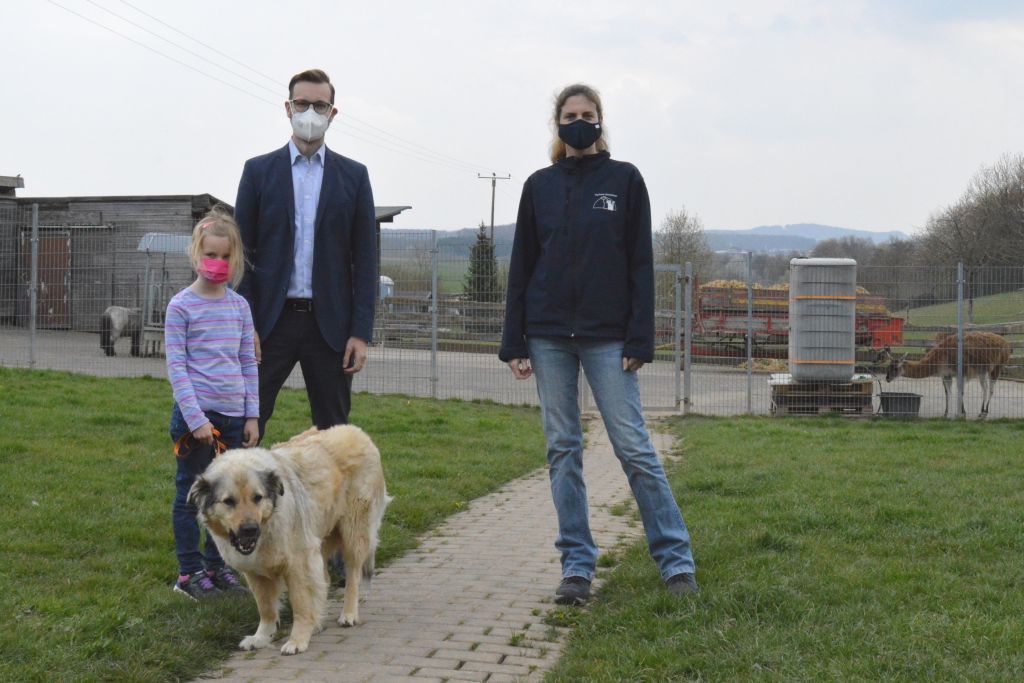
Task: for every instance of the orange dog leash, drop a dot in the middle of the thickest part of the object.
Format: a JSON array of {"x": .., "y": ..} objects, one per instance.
[{"x": 183, "y": 442}]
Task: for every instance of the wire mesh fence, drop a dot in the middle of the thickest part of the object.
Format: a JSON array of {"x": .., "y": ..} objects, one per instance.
[{"x": 90, "y": 299}]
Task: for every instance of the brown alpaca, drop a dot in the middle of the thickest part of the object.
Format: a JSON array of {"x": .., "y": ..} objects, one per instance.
[{"x": 985, "y": 354}]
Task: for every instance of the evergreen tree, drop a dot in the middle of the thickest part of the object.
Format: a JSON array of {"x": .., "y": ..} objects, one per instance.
[{"x": 481, "y": 283}]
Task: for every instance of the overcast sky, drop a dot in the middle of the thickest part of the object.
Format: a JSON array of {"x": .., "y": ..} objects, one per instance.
[{"x": 866, "y": 115}]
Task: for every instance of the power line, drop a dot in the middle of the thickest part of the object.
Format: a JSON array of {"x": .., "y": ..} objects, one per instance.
[
  {"x": 405, "y": 147},
  {"x": 196, "y": 40},
  {"x": 180, "y": 47},
  {"x": 162, "y": 54},
  {"x": 470, "y": 165}
]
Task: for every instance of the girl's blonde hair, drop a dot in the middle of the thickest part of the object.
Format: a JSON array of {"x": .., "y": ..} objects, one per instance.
[
  {"x": 219, "y": 223},
  {"x": 557, "y": 146}
]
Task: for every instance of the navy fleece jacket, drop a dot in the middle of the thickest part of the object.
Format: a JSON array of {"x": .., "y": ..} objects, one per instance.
[{"x": 582, "y": 261}]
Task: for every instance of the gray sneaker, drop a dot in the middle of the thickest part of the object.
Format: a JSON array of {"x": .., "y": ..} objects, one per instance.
[
  {"x": 574, "y": 590},
  {"x": 225, "y": 579},
  {"x": 682, "y": 584},
  {"x": 197, "y": 586}
]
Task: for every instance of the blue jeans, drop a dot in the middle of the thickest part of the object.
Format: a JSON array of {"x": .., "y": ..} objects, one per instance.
[
  {"x": 556, "y": 364},
  {"x": 191, "y": 463}
]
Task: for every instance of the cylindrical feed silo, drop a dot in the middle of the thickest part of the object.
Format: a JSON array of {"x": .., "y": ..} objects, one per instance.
[{"x": 822, "y": 319}]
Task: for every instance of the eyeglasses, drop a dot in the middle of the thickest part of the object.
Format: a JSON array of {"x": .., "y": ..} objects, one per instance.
[{"x": 318, "y": 107}]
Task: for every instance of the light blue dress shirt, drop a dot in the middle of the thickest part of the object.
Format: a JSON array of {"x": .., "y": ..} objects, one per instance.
[{"x": 307, "y": 177}]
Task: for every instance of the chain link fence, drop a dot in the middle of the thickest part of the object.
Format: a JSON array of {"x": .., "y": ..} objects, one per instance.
[{"x": 722, "y": 336}]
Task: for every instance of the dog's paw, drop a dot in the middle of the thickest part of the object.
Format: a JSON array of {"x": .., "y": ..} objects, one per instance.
[
  {"x": 254, "y": 642},
  {"x": 293, "y": 647},
  {"x": 346, "y": 620}
]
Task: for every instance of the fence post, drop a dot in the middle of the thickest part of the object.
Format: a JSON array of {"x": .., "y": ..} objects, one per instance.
[
  {"x": 959, "y": 341},
  {"x": 33, "y": 288},
  {"x": 687, "y": 336},
  {"x": 677, "y": 331},
  {"x": 750, "y": 334},
  {"x": 433, "y": 313}
]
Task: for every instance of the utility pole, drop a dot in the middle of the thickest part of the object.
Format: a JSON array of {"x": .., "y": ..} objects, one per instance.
[{"x": 494, "y": 182}]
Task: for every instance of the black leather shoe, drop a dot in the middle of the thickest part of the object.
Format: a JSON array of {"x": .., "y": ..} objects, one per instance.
[
  {"x": 574, "y": 590},
  {"x": 682, "y": 584}
]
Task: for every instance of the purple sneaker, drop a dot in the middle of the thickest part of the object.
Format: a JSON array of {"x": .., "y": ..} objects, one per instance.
[
  {"x": 225, "y": 579},
  {"x": 196, "y": 586}
]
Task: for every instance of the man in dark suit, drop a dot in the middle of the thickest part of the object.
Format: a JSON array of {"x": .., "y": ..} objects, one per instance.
[{"x": 308, "y": 226}]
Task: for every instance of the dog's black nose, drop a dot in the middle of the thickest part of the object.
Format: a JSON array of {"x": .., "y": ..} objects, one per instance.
[{"x": 249, "y": 530}]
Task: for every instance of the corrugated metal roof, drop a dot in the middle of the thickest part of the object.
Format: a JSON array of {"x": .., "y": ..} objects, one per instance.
[{"x": 164, "y": 242}]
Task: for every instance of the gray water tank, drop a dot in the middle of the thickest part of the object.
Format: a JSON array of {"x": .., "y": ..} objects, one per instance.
[{"x": 822, "y": 319}]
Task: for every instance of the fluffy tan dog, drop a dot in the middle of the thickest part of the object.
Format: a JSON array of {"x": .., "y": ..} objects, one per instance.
[{"x": 277, "y": 514}]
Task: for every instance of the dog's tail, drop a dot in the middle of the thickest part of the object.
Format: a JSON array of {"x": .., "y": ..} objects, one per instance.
[{"x": 106, "y": 334}]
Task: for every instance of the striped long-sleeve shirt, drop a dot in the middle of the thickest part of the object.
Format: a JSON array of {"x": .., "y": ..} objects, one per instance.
[{"x": 211, "y": 359}]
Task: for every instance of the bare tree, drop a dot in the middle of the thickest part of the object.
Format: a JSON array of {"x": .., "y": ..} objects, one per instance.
[
  {"x": 680, "y": 239},
  {"x": 861, "y": 249}
]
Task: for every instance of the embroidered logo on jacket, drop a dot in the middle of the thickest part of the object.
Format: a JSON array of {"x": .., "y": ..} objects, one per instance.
[{"x": 605, "y": 201}]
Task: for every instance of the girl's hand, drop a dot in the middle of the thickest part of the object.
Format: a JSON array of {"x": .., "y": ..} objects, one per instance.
[
  {"x": 520, "y": 368},
  {"x": 257, "y": 350},
  {"x": 204, "y": 434},
  {"x": 251, "y": 432},
  {"x": 631, "y": 364}
]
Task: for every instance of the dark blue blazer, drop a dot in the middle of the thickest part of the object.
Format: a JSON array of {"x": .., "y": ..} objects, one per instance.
[{"x": 344, "y": 245}]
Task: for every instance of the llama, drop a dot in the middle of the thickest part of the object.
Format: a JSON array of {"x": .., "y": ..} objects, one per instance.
[
  {"x": 985, "y": 354},
  {"x": 117, "y": 321}
]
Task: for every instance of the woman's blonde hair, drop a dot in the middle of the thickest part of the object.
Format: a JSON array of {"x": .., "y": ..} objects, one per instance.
[
  {"x": 219, "y": 223},
  {"x": 557, "y": 146}
]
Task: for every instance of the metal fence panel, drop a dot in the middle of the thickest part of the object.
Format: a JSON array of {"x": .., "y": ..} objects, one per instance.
[{"x": 438, "y": 324}]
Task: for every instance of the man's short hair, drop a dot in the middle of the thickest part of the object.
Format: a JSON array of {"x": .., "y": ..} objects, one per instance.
[{"x": 310, "y": 76}]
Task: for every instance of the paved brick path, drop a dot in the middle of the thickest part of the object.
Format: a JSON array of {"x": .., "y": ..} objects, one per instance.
[{"x": 468, "y": 604}]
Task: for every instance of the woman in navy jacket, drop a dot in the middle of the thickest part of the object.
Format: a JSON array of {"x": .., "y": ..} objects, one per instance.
[{"x": 581, "y": 294}]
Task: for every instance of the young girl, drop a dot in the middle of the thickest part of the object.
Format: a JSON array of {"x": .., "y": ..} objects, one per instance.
[{"x": 211, "y": 363}]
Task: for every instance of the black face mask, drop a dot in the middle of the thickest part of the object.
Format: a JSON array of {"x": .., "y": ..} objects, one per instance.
[{"x": 579, "y": 134}]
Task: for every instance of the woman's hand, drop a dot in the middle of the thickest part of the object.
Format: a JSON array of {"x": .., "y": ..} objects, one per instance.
[
  {"x": 251, "y": 432},
  {"x": 520, "y": 368},
  {"x": 631, "y": 364},
  {"x": 204, "y": 434}
]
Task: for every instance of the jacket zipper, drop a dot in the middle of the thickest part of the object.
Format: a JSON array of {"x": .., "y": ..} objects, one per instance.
[{"x": 573, "y": 272}]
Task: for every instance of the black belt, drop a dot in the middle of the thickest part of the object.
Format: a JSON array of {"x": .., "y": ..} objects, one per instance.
[{"x": 299, "y": 305}]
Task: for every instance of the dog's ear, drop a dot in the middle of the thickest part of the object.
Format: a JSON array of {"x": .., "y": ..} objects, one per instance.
[
  {"x": 200, "y": 492},
  {"x": 272, "y": 483}
]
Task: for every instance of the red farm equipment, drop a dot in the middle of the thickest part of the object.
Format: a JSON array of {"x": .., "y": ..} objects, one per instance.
[{"x": 720, "y": 320}]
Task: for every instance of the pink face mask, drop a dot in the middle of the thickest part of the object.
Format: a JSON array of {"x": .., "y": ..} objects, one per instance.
[{"x": 214, "y": 270}]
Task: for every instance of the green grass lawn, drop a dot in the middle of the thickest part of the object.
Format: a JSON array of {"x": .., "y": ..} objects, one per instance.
[
  {"x": 996, "y": 308},
  {"x": 86, "y": 550},
  {"x": 827, "y": 550}
]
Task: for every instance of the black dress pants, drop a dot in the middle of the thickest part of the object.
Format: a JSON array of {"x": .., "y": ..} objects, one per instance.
[{"x": 296, "y": 338}]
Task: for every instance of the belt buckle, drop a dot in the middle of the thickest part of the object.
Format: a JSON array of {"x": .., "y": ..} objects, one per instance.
[{"x": 302, "y": 305}]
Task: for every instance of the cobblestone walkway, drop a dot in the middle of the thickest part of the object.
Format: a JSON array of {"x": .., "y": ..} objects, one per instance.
[{"x": 468, "y": 604}]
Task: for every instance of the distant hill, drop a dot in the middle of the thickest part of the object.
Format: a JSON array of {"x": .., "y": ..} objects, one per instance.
[{"x": 792, "y": 237}]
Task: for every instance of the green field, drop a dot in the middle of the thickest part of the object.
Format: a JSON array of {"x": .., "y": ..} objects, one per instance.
[{"x": 995, "y": 309}]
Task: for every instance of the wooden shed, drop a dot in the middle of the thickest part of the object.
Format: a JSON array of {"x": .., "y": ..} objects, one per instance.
[{"x": 89, "y": 255}]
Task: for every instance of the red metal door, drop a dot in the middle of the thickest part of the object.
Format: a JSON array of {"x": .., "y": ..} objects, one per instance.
[{"x": 52, "y": 309}]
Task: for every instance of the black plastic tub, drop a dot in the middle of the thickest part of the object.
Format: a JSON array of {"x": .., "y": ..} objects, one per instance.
[{"x": 899, "y": 403}]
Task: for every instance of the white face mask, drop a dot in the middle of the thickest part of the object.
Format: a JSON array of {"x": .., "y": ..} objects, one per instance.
[{"x": 309, "y": 126}]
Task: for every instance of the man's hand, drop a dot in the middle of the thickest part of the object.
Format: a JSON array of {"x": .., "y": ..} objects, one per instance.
[
  {"x": 631, "y": 364},
  {"x": 521, "y": 368},
  {"x": 204, "y": 434},
  {"x": 251, "y": 432},
  {"x": 355, "y": 355}
]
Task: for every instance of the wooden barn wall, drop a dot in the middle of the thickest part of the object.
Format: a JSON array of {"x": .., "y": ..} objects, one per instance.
[{"x": 106, "y": 266}]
